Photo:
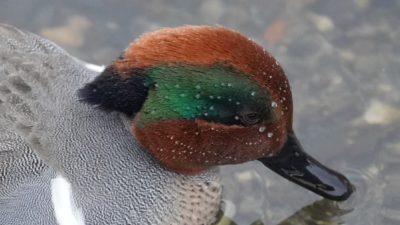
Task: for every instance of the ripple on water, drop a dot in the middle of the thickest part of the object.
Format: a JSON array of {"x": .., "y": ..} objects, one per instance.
[
  {"x": 366, "y": 198},
  {"x": 389, "y": 159},
  {"x": 377, "y": 197}
]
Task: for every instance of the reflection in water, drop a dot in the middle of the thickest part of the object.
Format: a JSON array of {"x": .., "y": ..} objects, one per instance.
[{"x": 322, "y": 212}]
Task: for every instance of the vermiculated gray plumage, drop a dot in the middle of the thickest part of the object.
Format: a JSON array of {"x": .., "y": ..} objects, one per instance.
[{"x": 46, "y": 131}]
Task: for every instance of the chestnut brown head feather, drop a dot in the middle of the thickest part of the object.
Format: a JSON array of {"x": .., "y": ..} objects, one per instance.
[{"x": 205, "y": 96}]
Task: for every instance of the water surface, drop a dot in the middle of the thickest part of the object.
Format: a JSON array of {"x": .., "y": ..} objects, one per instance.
[{"x": 341, "y": 56}]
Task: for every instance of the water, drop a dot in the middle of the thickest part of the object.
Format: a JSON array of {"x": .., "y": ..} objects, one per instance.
[{"x": 343, "y": 61}]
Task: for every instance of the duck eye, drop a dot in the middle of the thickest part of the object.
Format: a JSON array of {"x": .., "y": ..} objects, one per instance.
[{"x": 250, "y": 118}]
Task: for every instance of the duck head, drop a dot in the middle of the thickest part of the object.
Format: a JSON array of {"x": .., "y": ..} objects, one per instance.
[{"x": 201, "y": 97}]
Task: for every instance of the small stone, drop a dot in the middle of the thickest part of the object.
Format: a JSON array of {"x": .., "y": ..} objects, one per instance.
[
  {"x": 212, "y": 10},
  {"x": 385, "y": 88},
  {"x": 322, "y": 22},
  {"x": 245, "y": 177},
  {"x": 276, "y": 31},
  {"x": 362, "y": 4},
  {"x": 70, "y": 34},
  {"x": 379, "y": 113},
  {"x": 347, "y": 55}
]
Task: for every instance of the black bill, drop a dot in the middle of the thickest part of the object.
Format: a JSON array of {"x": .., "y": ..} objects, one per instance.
[{"x": 297, "y": 166}]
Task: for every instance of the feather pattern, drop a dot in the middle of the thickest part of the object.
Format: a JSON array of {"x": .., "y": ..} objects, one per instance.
[{"x": 45, "y": 130}]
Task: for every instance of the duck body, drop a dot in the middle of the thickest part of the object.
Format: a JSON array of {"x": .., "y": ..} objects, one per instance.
[
  {"x": 141, "y": 142},
  {"x": 110, "y": 185}
]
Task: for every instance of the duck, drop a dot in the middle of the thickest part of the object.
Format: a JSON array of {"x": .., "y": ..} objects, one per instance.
[{"x": 141, "y": 142}]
